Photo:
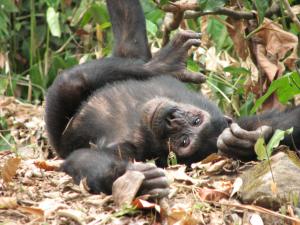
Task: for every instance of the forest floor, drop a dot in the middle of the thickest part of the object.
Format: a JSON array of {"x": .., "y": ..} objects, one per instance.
[{"x": 33, "y": 191}]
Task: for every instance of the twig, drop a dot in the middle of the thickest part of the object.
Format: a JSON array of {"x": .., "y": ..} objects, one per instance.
[
  {"x": 192, "y": 10},
  {"x": 221, "y": 11},
  {"x": 258, "y": 209},
  {"x": 181, "y": 6},
  {"x": 290, "y": 13},
  {"x": 172, "y": 25}
]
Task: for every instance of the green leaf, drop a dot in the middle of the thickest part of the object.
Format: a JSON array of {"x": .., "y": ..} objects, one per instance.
[
  {"x": 36, "y": 76},
  {"x": 276, "y": 138},
  {"x": 163, "y": 2},
  {"x": 8, "y": 6},
  {"x": 260, "y": 149},
  {"x": 218, "y": 33},
  {"x": 53, "y": 22},
  {"x": 236, "y": 70},
  {"x": 3, "y": 84},
  {"x": 151, "y": 27},
  {"x": 3, "y": 142},
  {"x": 80, "y": 12},
  {"x": 261, "y": 6},
  {"x": 53, "y": 3},
  {"x": 155, "y": 15},
  {"x": 247, "y": 4},
  {"x": 192, "y": 65},
  {"x": 172, "y": 159},
  {"x": 286, "y": 87},
  {"x": 248, "y": 105},
  {"x": 126, "y": 210},
  {"x": 105, "y": 25},
  {"x": 211, "y": 5},
  {"x": 99, "y": 13}
]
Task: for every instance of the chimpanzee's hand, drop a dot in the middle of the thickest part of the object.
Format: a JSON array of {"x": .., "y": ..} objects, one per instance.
[
  {"x": 239, "y": 143},
  {"x": 155, "y": 183},
  {"x": 171, "y": 59}
]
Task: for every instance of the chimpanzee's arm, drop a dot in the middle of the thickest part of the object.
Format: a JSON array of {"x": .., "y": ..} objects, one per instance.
[
  {"x": 73, "y": 86},
  {"x": 239, "y": 139},
  {"x": 171, "y": 58},
  {"x": 101, "y": 168}
]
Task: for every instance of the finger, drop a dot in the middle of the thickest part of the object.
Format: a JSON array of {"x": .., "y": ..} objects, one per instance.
[
  {"x": 159, "y": 182},
  {"x": 265, "y": 131},
  {"x": 191, "y": 42},
  {"x": 159, "y": 193},
  {"x": 222, "y": 146},
  {"x": 232, "y": 141},
  {"x": 194, "y": 77},
  {"x": 243, "y": 154},
  {"x": 262, "y": 131},
  {"x": 153, "y": 173},
  {"x": 183, "y": 35},
  {"x": 139, "y": 166}
]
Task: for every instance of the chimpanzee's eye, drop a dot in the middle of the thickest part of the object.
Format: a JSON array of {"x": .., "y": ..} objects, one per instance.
[
  {"x": 185, "y": 141},
  {"x": 196, "y": 121}
]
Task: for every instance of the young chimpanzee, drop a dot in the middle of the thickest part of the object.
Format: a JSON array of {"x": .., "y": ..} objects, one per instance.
[{"x": 104, "y": 114}]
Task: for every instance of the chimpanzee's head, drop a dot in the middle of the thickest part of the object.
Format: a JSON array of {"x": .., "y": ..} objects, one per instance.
[{"x": 182, "y": 128}]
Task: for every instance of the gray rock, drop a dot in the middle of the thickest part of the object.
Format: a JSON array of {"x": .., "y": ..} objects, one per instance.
[{"x": 258, "y": 182}]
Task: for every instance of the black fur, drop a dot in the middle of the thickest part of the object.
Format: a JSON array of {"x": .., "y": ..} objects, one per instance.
[{"x": 103, "y": 114}]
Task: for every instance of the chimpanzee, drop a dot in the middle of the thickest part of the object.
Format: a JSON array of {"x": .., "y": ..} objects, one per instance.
[{"x": 102, "y": 115}]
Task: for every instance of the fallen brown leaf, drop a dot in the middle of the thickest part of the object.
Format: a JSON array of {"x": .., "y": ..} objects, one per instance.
[
  {"x": 208, "y": 194},
  {"x": 125, "y": 187},
  {"x": 50, "y": 206},
  {"x": 181, "y": 176},
  {"x": 274, "y": 45},
  {"x": 218, "y": 166},
  {"x": 48, "y": 165},
  {"x": 76, "y": 215},
  {"x": 8, "y": 203},
  {"x": 237, "y": 34},
  {"x": 10, "y": 168},
  {"x": 214, "y": 157},
  {"x": 143, "y": 204},
  {"x": 179, "y": 215},
  {"x": 32, "y": 210},
  {"x": 83, "y": 186},
  {"x": 222, "y": 185},
  {"x": 237, "y": 184},
  {"x": 260, "y": 210}
]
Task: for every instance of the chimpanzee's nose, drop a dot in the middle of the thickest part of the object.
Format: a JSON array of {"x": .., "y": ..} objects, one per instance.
[{"x": 173, "y": 118}]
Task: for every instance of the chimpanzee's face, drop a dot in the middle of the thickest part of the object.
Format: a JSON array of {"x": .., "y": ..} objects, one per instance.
[{"x": 176, "y": 126}]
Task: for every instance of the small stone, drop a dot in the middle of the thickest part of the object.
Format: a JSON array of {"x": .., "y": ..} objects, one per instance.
[{"x": 258, "y": 185}]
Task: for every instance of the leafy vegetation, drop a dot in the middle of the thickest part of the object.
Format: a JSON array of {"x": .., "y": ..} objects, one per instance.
[
  {"x": 40, "y": 38},
  {"x": 264, "y": 151},
  {"x": 250, "y": 60}
]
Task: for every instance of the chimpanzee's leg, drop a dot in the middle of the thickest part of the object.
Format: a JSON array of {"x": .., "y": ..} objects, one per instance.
[{"x": 129, "y": 29}]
